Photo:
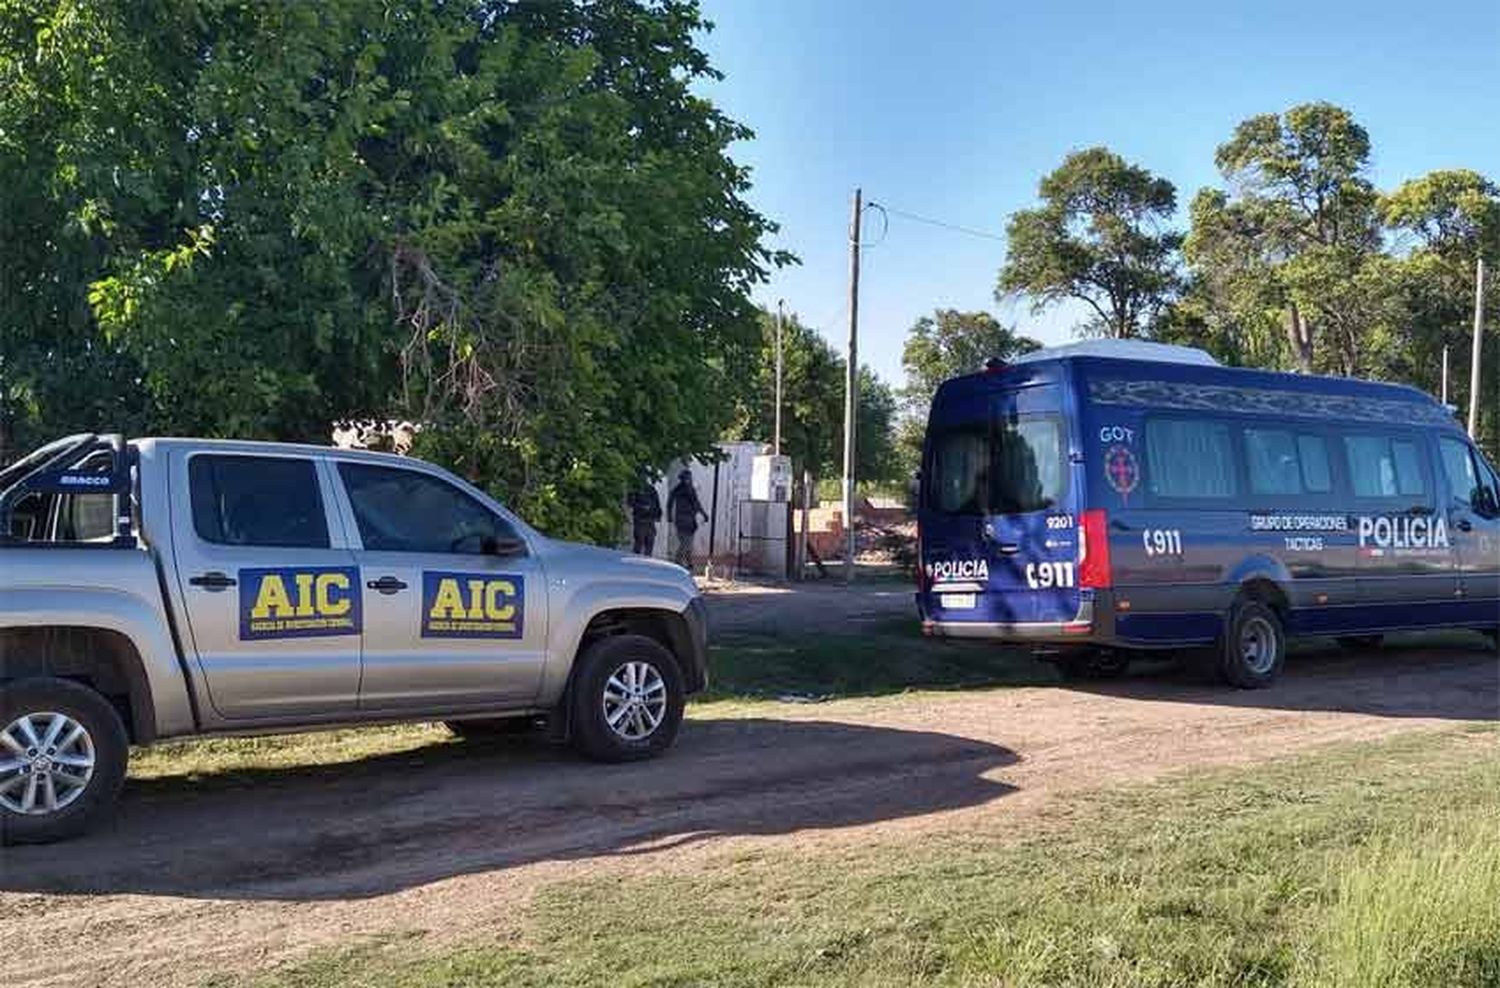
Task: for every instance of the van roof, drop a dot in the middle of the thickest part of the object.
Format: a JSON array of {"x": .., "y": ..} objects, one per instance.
[{"x": 1166, "y": 353}]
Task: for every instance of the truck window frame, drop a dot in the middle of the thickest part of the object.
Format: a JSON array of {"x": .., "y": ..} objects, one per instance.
[{"x": 321, "y": 503}]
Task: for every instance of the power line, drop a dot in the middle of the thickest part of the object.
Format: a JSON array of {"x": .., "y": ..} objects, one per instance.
[{"x": 914, "y": 217}]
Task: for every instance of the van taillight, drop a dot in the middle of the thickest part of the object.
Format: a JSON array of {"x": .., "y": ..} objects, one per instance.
[{"x": 1093, "y": 549}]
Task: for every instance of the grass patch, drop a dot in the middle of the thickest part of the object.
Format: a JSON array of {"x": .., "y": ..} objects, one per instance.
[
  {"x": 226, "y": 756},
  {"x": 887, "y": 656},
  {"x": 1371, "y": 864}
]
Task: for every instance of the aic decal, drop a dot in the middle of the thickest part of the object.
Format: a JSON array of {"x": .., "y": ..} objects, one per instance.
[
  {"x": 299, "y": 602},
  {"x": 1402, "y": 535},
  {"x": 472, "y": 605}
]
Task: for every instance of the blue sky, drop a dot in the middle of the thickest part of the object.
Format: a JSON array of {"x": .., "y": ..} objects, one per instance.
[{"x": 954, "y": 110}]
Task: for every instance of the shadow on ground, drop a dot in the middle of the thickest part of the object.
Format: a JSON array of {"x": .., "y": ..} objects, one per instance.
[{"x": 395, "y": 821}]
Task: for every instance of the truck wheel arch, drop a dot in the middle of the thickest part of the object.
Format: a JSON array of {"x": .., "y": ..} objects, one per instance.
[
  {"x": 667, "y": 627},
  {"x": 104, "y": 659}
]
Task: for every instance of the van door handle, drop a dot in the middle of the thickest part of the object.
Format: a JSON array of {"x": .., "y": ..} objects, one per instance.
[
  {"x": 1009, "y": 548},
  {"x": 213, "y": 582},
  {"x": 1464, "y": 525},
  {"x": 386, "y": 585}
]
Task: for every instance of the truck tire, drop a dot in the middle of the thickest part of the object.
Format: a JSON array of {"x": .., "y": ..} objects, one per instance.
[
  {"x": 626, "y": 699},
  {"x": 1252, "y": 649},
  {"x": 1360, "y": 643},
  {"x": 63, "y": 750}
]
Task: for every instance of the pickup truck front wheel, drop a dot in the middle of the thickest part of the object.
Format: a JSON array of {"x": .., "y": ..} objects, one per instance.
[
  {"x": 62, "y": 759},
  {"x": 627, "y": 699}
]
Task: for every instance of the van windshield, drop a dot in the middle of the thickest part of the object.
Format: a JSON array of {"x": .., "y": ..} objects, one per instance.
[{"x": 1000, "y": 468}]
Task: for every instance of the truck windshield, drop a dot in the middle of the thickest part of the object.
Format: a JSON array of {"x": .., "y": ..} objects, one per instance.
[{"x": 1000, "y": 468}]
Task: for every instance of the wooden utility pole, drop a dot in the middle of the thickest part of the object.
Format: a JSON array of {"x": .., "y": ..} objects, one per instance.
[
  {"x": 1445, "y": 373},
  {"x": 1478, "y": 347},
  {"x": 851, "y": 388},
  {"x": 776, "y": 443}
]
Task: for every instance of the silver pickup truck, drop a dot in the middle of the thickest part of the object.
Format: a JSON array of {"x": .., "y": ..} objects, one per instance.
[{"x": 161, "y": 588}]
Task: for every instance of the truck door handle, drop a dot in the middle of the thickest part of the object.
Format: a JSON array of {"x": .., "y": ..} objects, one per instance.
[
  {"x": 386, "y": 585},
  {"x": 212, "y": 582}
]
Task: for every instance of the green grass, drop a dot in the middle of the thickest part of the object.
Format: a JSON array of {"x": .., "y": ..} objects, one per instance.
[
  {"x": 1358, "y": 865},
  {"x": 885, "y": 657}
]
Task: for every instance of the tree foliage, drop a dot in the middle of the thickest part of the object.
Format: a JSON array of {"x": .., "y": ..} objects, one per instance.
[
  {"x": 1100, "y": 237},
  {"x": 515, "y": 221},
  {"x": 812, "y": 411}
]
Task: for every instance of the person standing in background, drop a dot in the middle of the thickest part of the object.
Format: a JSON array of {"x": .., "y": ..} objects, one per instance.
[
  {"x": 645, "y": 512},
  {"x": 683, "y": 511}
]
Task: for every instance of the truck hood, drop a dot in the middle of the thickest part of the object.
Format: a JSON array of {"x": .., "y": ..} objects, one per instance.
[{"x": 587, "y": 561}]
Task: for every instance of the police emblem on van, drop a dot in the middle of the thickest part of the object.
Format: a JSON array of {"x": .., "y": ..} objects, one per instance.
[
  {"x": 299, "y": 602},
  {"x": 472, "y": 605},
  {"x": 1121, "y": 470}
]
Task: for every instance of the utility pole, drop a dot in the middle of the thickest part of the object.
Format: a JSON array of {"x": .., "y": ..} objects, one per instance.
[
  {"x": 851, "y": 388},
  {"x": 1445, "y": 373},
  {"x": 776, "y": 443},
  {"x": 1478, "y": 346}
]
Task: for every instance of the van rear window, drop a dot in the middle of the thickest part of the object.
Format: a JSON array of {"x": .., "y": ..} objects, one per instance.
[{"x": 1012, "y": 467}]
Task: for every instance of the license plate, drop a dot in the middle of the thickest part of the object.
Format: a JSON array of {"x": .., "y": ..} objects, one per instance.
[{"x": 956, "y": 601}]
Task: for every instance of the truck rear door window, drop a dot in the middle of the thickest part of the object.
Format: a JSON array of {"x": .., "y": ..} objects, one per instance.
[
  {"x": 1189, "y": 459},
  {"x": 257, "y": 500},
  {"x": 1015, "y": 467}
]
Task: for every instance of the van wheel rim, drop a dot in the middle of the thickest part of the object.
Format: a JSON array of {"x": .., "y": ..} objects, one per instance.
[
  {"x": 635, "y": 700},
  {"x": 1258, "y": 644},
  {"x": 46, "y": 762}
]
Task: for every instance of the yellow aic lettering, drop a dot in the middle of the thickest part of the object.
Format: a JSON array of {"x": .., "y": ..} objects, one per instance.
[
  {"x": 304, "y": 594},
  {"x": 497, "y": 595},
  {"x": 272, "y": 600},
  {"x": 329, "y": 585},
  {"x": 448, "y": 602}
]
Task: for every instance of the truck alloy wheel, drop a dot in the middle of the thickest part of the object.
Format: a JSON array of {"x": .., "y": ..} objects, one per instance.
[
  {"x": 63, "y": 750},
  {"x": 626, "y": 698}
]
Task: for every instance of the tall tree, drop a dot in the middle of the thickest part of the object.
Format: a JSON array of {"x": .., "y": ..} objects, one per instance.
[
  {"x": 1100, "y": 237},
  {"x": 516, "y": 221},
  {"x": 812, "y": 414},
  {"x": 1295, "y": 233}
]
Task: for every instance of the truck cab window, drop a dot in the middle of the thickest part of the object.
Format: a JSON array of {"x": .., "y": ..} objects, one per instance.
[
  {"x": 257, "y": 500},
  {"x": 406, "y": 511}
]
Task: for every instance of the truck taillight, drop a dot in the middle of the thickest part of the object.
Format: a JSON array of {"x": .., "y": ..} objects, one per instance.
[{"x": 1093, "y": 549}]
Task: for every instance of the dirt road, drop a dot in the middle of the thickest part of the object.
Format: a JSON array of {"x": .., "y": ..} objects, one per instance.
[{"x": 201, "y": 877}]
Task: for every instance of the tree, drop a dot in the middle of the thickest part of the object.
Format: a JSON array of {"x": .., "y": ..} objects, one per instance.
[
  {"x": 1100, "y": 238},
  {"x": 515, "y": 221},
  {"x": 1294, "y": 236},
  {"x": 812, "y": 413}
]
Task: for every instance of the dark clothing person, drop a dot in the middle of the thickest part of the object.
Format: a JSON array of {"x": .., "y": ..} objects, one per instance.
[
  {"x": 683, "y": 511},
  {"x": 645, "y": 512}
]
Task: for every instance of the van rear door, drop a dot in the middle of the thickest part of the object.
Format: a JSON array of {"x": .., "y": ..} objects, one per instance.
[{"x": 1000, "y": 525}]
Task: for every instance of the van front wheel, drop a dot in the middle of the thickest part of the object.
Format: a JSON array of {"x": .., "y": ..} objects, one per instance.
[{"x": 1253, "y": 648}]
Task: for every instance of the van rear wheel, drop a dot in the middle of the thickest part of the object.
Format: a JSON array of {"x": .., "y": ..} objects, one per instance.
[{"x": 1252, "y": 649}]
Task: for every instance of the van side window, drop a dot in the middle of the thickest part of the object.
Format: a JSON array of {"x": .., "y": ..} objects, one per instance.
[
  {"x": 1381, "y": 466},
  {"x": 1189, "y": 459},
  {"x": 1284, "y": 462},
  {"x": 257, "y": 500}
]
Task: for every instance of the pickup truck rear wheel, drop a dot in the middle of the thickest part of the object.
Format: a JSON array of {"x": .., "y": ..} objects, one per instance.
[
  {"x": 62, "y": 759},
  {"x": 627, "y": 698}
]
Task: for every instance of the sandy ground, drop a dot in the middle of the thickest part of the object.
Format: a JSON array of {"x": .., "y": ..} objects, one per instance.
[{"x": 202, "y": 877}]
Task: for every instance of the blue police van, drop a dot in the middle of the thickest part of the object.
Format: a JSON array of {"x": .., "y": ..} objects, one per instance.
[{"x": 1110, "y": 498}]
